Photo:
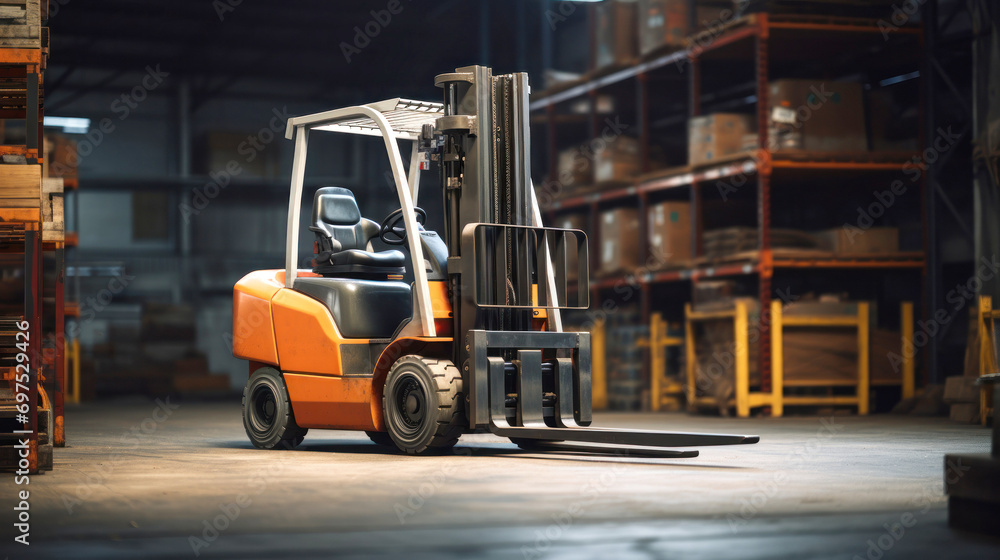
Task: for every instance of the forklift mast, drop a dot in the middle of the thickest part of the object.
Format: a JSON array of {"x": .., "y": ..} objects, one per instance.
[
  {"x": 486, "y": 180},
  {"x": 504, "y": 266}
]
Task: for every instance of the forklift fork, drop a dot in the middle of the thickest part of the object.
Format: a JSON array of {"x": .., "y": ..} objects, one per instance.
[{"x": 571, "y": 410}]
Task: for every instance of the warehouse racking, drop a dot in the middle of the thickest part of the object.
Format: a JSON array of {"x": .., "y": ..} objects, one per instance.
[
  {"x": 729, "y": 68},
  {"x": 31, "y": 215}
]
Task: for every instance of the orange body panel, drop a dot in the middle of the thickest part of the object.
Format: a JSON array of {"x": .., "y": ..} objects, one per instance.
[
  {"x": 441, "y": 307},
  {"x": 337, "y": 403},
  {"x": 253, "y": 329},
  {"x": 279, "y": 326},
  {"x": 253, "y": 332},
  {"x": 307, "y": 339}
]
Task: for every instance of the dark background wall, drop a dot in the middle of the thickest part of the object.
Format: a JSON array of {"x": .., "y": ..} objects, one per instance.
[{"x": 183, "y": 87}]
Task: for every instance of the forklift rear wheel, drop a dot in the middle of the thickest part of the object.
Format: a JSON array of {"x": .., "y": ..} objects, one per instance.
[
  {"x": 422, "y": 404},
  {"x": 267, "y": 412}
]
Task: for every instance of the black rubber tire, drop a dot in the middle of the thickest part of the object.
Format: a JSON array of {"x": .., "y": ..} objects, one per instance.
[
  {"x": 422, "y": 404},
  {"x": 381, "y": 438},
  {"x": 267, "y": 412}
]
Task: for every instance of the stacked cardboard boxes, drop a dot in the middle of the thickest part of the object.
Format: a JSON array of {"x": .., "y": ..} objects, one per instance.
[
  {"x": 575, "y": 168},
  {"x": 572, "y": 221},
  {"x": 713, "y": 137},
  {"x": 666, "y": 24},
  {"x": 662, "y": 23},
  {"x": 816, "y": 115},
  {"x": 619, "y": 238},
  {"x": 615, "y": 40},
  {"x": 670, "y": 233},
  {"x": 618, "y": 160},
  {"x": 858, "y": 241}
]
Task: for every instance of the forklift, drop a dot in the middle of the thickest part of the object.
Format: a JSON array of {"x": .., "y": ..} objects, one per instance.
[{"x": 464, "y": 332}]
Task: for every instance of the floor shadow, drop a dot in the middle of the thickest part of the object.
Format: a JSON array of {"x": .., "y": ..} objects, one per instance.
[{"x": 506, "y": 451}]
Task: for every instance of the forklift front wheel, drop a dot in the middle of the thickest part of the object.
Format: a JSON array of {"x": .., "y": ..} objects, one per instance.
[
  {"x": 422, "y": 404},
  {"x": 267, "y": 412}
]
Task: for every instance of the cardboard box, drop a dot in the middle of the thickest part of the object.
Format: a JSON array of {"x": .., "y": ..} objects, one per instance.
[
  {"x": 817, "y": 115},
  {"x": 618, "y": 161},
  {"x": 961, "y": 389},
  {"x": 715, "y": 136},
  {"x": 575, "y": 168},
  {"x": 62, "y": 158},
  {"x": 572, "y": 221},
  {"x": 670, "y": 232},
  {"x": 668, "y": 22},
  {"x": 858, "y": 241},
  {"x": 662, "y": 22},
  {"x": 619, "y": 239},
  {"x": 615, "y": 40},
  {"x": 966, "y": 413}
]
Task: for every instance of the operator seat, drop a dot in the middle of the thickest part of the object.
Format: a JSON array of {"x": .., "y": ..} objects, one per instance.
[{"x": 342, "y": 238}]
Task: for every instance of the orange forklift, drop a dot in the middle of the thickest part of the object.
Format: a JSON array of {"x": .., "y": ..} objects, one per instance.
[{"x": 453, "y": 333}]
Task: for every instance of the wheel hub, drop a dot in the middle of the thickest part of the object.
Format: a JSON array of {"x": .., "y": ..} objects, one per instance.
[
  {"x": 263, "y": 410},
  {"x": 410, "y": 398},
  {"x": 412, "y": 404}
]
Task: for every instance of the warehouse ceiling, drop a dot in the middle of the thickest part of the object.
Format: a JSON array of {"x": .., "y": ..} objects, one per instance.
[{"x": 332, "y": 47}]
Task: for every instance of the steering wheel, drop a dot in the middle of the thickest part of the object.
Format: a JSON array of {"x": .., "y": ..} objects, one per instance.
[{"x": 391, "y": 232}]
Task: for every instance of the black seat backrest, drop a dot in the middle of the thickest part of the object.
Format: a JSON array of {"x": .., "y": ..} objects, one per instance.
[{"x": 336, "y": 217}]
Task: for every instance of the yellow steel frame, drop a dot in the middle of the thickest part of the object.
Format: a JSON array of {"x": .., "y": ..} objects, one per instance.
[
  {"x": 72, "y": 389},
  {"x": 598, "y": 365},
  {"x": 661, "y": 387},
  {"x": 745, "y": 400},
  {"x": 858, "y": 321},
  {"x": 987, "y": 354}
]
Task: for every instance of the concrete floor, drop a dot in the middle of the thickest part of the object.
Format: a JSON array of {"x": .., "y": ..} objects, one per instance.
[{"x": 136, "y": 482}]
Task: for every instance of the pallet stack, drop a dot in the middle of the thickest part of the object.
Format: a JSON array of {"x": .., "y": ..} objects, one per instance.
[{"x": 26, "y": 208}]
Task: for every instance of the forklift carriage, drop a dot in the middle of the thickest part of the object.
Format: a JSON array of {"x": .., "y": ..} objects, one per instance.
[{"x": 475, "y": 341}]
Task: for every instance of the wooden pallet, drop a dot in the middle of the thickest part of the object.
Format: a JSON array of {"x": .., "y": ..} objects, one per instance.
[
  {"x": 20, "y": 186},
  {"x": 21, "y": 24},
  {"x": 53, "y": 215}
]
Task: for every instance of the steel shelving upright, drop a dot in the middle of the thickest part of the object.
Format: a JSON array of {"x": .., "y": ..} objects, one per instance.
[{"x": 760, "y": 47}]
